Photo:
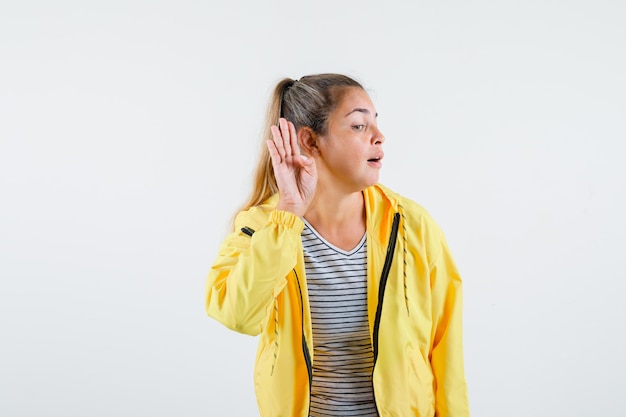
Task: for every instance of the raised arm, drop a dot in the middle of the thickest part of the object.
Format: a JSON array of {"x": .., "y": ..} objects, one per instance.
[
  {"x": 251, "y": 270},
  {"x": 253, "y": 261}
]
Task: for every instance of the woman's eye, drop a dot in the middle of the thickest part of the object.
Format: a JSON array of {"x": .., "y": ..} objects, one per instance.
[{"x": 358, "y": 127}]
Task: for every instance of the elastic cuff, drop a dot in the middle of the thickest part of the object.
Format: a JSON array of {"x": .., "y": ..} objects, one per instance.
[{"x": 287, "y": 219}]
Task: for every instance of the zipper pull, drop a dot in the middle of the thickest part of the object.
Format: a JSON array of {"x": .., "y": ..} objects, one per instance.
[{"x": 248, "y": 230}]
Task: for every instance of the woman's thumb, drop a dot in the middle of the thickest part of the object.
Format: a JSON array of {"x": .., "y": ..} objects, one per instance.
[{"x": 306, "y": 160}]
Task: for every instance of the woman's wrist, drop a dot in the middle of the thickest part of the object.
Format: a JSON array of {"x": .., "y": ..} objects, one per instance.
[{"x": 296, "y": 209}]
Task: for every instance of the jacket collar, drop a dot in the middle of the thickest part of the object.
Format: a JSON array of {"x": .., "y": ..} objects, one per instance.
[{"x": 380, "y": 205}]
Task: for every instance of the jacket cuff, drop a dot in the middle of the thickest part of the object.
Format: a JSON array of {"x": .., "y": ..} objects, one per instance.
[{"x": 287, "y": 219}]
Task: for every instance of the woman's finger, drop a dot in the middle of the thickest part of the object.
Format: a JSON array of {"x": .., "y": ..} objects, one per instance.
[
  {"x": 293, "y": 140},
  {"x": 285, "y": 131},
  {"x": 276, "y": 159},
  {"x": 278, "y": 142}
]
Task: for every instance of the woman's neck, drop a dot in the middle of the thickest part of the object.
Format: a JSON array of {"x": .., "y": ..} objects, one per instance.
[{"x": 339, "y": 218}]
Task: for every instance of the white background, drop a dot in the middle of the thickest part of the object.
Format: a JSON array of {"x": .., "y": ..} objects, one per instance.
[{"x": 128, "y": 134}]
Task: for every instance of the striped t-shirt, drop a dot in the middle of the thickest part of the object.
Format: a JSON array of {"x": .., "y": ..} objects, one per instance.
[{"x": 343, "y": 358}]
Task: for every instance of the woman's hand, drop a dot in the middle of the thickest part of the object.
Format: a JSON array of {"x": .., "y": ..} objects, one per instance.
[{"x": 295, "y": 174}]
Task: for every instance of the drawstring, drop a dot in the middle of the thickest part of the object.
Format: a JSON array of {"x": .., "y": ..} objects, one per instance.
[
  {"x": 404, "y": 257},
  {"x": 275, "y": 334}
]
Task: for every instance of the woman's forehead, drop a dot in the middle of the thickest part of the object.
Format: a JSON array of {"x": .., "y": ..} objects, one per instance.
[{"x": 355, "y": 100}]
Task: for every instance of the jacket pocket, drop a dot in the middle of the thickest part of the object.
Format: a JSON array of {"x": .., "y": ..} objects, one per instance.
[{"x": 422, "y": 383}]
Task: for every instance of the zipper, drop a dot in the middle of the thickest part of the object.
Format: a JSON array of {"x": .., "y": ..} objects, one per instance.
[
  {"x": 305, "y": 349},
  {"x": 391, "y": 247},
  {"x": 248, "y": 230}
]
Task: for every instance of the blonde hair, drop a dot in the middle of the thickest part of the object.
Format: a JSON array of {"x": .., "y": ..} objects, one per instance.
[{"x": 306, "y": 102}]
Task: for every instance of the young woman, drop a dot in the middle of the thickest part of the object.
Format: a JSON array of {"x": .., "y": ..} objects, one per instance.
[{"x": 350, "y": 286}]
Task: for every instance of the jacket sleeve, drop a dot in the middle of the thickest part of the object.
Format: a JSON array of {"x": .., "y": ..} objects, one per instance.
[
  {"x": 451, "y": 398},
  {"x": 251, "y": 270}
]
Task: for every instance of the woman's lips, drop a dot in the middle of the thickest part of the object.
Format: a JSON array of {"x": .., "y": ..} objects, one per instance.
[{"x": 375, "y": 162}]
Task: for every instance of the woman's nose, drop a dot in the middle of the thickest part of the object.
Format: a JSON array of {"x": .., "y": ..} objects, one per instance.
[{"x": 378, "y": 138}]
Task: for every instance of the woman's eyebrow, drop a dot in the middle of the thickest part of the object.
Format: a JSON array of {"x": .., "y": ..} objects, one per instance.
[{"x": 360, "y": 109}]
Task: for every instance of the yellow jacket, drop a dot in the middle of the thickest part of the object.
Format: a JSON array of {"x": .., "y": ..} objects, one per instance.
[{"x": 257, "y": 285}]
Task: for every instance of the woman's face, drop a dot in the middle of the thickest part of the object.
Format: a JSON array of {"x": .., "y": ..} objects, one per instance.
[{"x": 350, "y": 153}]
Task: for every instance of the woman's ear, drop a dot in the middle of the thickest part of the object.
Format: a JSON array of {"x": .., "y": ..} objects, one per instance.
[{"x": 308, "y": 141}]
